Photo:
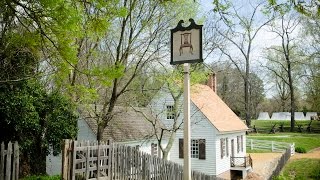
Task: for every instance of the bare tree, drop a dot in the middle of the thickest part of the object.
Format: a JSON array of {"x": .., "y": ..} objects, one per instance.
[
  {"x": 239, "y": 27},
  {"x": 287, "y": 61},
  {"x": 135, "y": 41}
]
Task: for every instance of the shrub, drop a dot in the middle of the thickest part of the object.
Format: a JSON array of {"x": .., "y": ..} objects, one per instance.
[
  {"x": 57, "y": 177},
  {"x": 300, "y": 150}
]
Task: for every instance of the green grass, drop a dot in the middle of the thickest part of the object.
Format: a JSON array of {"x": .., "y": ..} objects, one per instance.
[
  {"x": 305, "y": 140},
  {"x": 265, "y": 125},
  {"x": 301, "y": 169}
]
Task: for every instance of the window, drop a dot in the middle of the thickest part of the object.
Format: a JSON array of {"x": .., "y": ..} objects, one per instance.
[
  {"x": 198, "y": 148},
  {"x": 227, "y": 146},
  {"x": 170, "y": 112},
  {"x": 223, "y": 147},
  {"x": 194, "y": 148},
  {"x": 137, "y": 147},
  {"x": 238, "y": 144},
  {"x": 154, "y": 149},
  {"x": 241, "y": 139}
]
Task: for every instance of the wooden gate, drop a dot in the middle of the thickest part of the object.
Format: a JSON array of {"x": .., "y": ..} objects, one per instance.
[
  {"x": 86, "y": 160},
  {"x": 107, "y": 161},
  {"x": 9, "y": 161}
]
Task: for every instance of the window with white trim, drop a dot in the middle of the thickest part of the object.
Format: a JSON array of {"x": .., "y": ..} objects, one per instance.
[
  {"x": 223, "y": 147},
  {"x": 238, "y": 144},
  {"x": 198, "y": 148},
  {"x": 227, "y": 146},
  {"x": 194, "y": 148},
  {"x": 154, "y": 149},
  {"x": 241, "y": 140},
  {"x": 170, "y": 112}
]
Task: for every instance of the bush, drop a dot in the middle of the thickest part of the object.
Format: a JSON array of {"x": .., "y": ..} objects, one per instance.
[
  {"x": 57, "y": 177},
  {"x": 300, "y": 150}
]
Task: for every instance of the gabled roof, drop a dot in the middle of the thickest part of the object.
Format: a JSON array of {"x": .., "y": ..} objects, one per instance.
[
  {"x": 217, "y": 112},
  {"x": 128, "y": 124}
]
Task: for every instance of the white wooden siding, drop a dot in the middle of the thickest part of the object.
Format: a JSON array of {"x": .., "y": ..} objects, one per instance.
[
  {"x": 158, "y": 106},
  {"x": 144, "y": 146},
  {"x": 224, "y": 163},
  {"x": 200, "y": 129},
  {"x": 53, "y": 163},
  {"x": 84, "y": 131}
]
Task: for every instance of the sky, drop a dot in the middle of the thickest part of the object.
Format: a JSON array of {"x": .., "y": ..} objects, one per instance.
[{"x": 265, "y": 38}]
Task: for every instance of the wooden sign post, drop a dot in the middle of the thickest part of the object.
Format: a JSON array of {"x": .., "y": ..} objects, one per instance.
[{"x": 186, "y": 47}]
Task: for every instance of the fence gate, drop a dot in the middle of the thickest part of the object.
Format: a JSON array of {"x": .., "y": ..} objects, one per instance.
[
  {"x": 86, "y": 160},
  {"x": 89, "y": 160},
  {"x": 9, "y": 161}
]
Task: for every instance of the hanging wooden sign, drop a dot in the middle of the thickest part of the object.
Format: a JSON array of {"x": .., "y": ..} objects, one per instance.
[{"x": 186, "y": 43}]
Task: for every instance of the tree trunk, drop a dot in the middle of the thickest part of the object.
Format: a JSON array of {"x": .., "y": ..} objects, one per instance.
[
  {"x": 246, "y": 93},
  {"x": 166, "y": 150},
  {"x": 292, "y": 103},
  {"x": 100, "y": 132}
]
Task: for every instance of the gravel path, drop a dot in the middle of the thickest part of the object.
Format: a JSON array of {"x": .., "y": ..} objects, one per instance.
[
  {"x": 314, "y": 154},
  {"x": 264, "y": 163}
]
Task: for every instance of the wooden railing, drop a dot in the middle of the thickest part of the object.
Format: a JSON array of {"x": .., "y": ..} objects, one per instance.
[
  {"x": 272, "y": 146},
  {"x": 241, "y": 161}
]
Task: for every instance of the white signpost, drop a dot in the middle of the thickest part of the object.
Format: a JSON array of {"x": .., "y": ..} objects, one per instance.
[{"x": 186, "y": 47}]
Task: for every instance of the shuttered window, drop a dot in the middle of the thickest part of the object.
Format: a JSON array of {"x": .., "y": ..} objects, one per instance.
[
  {"x": 241, "y": 138},
  {"x": 227, "y": 146},
  {"x": 180, "y": 148},
  {"x": 238, "y": 144},
  {"x": 223, "y": 147},
  {"x": 198, "y": 148},
  {"x": 154, "y": 149}
]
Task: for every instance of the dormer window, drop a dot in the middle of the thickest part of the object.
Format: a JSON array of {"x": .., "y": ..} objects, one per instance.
[{"x": 170, "y": 112}]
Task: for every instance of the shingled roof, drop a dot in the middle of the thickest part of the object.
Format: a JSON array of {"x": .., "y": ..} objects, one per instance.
[
  {"x": 217, "y": 112},
  {"x": 128, "y": 124}
]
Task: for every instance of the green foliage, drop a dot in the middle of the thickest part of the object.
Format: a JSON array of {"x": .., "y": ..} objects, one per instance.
[
  {"x": 301, "y": 169},
  {"x": 57, "y": 177},
  {"x": 36, "y": 119},
  {"x": 300, "y": 150},
  {"x": 307, "y": 8}
]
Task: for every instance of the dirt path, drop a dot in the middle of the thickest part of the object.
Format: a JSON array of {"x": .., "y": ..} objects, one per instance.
[
  {"x": 264, "y": 163},
  {"x": 314, "y": 154}
]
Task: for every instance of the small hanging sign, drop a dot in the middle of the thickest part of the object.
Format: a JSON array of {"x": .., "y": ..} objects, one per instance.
[{"x": 186, "y": 43}]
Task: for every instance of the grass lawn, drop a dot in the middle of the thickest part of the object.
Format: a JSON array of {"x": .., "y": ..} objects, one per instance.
[
  {"x": 303, "y": 169},
  {"x": 265, "y": 125},
  {"x": 305, "y": 140}
]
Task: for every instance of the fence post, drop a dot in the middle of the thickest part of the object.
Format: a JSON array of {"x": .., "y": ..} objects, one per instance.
[
  {"x": 8, "y": 166},
  {"x": 66, "y": 160},
  {"x": 15, "y": 171},
  {"x": 292, "y": 149},
  {"x": 2, "y": 161},
  {"x": 251, "y": 144}
]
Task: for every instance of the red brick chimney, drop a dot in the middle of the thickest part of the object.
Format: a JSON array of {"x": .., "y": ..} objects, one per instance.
[{"x": 212, "y": 82}]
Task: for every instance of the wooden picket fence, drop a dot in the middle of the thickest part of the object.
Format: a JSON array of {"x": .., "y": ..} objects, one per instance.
[
  {"x": 9, "y": 161},
  {"x": 108, "y": 161},
  {"x": 281, "y": 163}
]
